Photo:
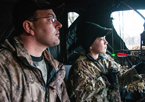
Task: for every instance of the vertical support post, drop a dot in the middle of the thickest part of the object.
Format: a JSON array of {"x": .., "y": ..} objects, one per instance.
[{"x": 63, "y": 37}]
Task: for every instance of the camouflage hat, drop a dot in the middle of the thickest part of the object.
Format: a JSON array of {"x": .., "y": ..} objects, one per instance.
[{"x": 88, "y": 32}]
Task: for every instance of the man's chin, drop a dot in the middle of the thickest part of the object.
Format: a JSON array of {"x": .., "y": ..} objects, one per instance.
[{"x": 57, "y": 42}]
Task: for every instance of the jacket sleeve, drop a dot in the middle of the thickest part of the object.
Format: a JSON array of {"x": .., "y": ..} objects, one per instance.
[
  {"x": 128, "y": 78},
  {"x": 131, "y": 80},
  {"x": 84, "y": 84},
  {"x": 4, "y": 87}
]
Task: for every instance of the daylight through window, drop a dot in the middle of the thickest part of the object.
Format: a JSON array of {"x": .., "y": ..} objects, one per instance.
[
  {"x": 72, "y": 16},
  {"x": 129, "y": 25}
]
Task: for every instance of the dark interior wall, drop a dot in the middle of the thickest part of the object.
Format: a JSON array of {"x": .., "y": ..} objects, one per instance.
[{"x": 5, "y": 17}]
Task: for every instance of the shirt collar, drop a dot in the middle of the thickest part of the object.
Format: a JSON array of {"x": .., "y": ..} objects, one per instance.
[{"x": 92, "y": 59}]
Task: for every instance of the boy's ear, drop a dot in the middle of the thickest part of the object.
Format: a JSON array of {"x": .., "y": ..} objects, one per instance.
[{"x": 28, "y": 27}]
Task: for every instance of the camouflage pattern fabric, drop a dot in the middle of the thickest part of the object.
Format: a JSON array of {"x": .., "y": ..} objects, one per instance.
[
  {"x": 20, "y": 81},
  {"x": 86, "y": 82}
]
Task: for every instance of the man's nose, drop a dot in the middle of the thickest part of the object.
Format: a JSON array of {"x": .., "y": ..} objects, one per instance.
[{"x": 58, "y": 25}]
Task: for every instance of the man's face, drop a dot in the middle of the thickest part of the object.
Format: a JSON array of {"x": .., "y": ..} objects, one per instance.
[
  {"x": 46, "y": 31},
  {"x": 99, "y": 45}
]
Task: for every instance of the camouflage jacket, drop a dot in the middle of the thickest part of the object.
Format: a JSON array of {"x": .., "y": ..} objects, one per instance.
[
  {"x": 86, "y": 82},
  {"x": 21, "y": 81}
]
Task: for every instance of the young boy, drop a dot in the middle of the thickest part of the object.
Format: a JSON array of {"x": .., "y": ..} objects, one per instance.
[{"x": 95, "y": 76}]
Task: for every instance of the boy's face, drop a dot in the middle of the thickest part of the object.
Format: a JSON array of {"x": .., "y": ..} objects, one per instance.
[
  {"x": 46, "y": 29},
  {"x": 99, "y": 45}
]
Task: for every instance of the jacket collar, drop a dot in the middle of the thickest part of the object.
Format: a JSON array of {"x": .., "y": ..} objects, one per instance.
[
  {"x": 17, "y": 46},
  {"x": 92, "y": 59},
  {"x": 22, "y": 52}
]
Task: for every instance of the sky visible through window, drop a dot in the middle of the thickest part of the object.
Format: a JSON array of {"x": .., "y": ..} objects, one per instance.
[
  {"x": 72, "y": 16},
  {"x": 129, "y": 25}
]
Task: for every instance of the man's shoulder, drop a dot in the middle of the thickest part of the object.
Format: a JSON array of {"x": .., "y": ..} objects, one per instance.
[{"x": 5, "y": 55}]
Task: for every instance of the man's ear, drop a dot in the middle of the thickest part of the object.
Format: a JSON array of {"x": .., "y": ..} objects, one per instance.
[
  {"x": 28, "y": 27},
  {"x": 90, "y": 47}
]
